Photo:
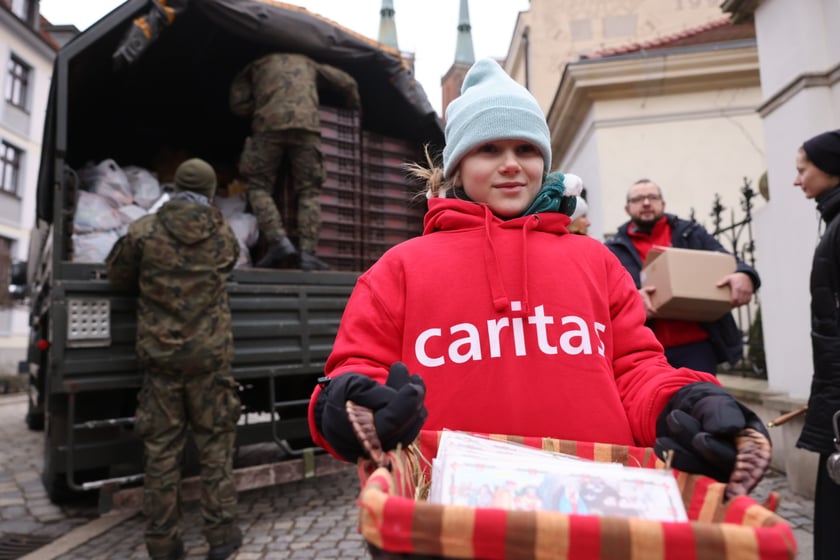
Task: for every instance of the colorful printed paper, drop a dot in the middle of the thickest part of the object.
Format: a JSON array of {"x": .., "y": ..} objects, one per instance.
[{"x": 479, "y": 472}]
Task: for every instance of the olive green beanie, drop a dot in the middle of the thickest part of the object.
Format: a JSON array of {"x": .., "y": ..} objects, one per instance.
[{"x": 196, "y": 175}]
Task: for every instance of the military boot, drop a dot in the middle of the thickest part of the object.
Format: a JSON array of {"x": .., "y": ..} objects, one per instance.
[
  {"x": 308, "y": 261},
  {"x": 227, "y": 548},
  {"x": 276, "y": 253}
]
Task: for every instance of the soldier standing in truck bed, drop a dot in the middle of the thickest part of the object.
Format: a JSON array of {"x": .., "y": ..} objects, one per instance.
[{"x": 279, "y": 92}]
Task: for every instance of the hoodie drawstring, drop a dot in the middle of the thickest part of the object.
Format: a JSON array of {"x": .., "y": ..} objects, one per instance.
[
  {"x": 501, "y": 301},
  {"x": 491, "y": 262},
  {"x": 527, "y": 227}
]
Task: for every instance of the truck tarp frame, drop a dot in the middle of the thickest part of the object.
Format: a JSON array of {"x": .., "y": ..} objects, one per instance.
[{"x": 213, "y": 39}]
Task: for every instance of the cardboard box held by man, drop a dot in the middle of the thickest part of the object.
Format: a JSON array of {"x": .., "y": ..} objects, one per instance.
[{"x": 686, "y": 283}]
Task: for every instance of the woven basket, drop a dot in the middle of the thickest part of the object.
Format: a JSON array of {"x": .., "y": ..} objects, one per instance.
[{"x": 396, "y": 525}]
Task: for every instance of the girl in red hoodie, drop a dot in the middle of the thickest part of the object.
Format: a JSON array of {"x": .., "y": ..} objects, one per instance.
[{"x": 508, "y": 323}]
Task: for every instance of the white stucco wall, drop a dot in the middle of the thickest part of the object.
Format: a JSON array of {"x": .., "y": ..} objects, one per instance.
[
  {"x": 794, "y": 38},
  {"x": 583, "y": 161},
  {"x": 694, "y": 145}
]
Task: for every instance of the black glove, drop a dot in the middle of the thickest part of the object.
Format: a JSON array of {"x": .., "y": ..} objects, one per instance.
[
  {"x": 699, "y": 424},
  {"x": 398, "y": 410}
]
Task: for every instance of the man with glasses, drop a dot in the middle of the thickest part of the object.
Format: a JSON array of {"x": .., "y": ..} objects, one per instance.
[{"x": 699, "y": 346}]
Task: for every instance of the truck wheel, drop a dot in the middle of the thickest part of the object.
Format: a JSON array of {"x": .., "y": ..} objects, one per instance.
[
  {"x": 55, "y": 483},
  {"x": 56, "y": 486},
  {"x": 34, "y": 416}
]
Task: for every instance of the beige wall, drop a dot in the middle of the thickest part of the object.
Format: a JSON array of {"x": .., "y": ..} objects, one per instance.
[{"x": 559, "y": 31}]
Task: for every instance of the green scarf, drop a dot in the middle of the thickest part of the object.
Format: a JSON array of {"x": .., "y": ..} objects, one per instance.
[{"x": 551, "y": 199}]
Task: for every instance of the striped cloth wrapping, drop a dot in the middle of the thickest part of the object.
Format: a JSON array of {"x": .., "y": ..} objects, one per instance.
[{"x": 396, "y": 525}]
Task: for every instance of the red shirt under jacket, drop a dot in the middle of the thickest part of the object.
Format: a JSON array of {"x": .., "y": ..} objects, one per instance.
[{"x": 669, "y": 332}]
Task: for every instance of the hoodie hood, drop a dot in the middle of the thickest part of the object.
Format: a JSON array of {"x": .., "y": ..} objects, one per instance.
[
  {"x": 447, "y": 214},
  {"x": 452, "y": 214},
  {"x": 190, "y": 222}
]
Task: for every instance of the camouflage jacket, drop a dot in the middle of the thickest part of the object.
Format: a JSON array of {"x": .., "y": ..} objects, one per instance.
[
  {"x": 178, "y": 261},
  {"x": 280, "y": 92}
]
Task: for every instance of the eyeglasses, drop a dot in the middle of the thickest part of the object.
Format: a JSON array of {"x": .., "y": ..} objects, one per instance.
[{"x": 642, "y": 197}]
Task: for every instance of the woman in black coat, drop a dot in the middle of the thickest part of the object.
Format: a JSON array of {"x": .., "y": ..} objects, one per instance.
[{"x": 818, "y": 175}]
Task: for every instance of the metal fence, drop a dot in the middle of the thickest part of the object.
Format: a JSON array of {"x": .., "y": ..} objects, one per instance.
[{"x": 735, "y": 233}]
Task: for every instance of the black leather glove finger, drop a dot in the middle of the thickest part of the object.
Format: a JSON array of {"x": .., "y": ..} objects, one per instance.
[
  {"x": 682, "y": 428},
  {"x": 365, "y": 391},
  {"x": 719, "y": 452},
  {"x": 398, "y": 376},
  {"x": 400, "y": 420},
  {"x": 719, "y": 414}
]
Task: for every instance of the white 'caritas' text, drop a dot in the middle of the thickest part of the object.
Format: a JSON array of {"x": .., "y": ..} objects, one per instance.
[{"x": 465, "y": 338}]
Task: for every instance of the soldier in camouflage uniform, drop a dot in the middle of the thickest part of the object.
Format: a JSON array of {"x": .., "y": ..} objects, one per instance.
[
  {"x": 279, "y": 92},
  {"x": 178, "y": 261}
]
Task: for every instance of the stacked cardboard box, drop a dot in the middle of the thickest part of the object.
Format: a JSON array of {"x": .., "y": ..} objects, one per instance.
[
  {"x": 393, "y": 204},
  {"x": 367, "y": 202}
]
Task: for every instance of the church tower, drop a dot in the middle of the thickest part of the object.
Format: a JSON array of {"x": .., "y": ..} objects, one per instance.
[
  {"x": 388, "y": 32},
  {"x": 464, "y": 59},
  {"x": 387, "y": 25}
]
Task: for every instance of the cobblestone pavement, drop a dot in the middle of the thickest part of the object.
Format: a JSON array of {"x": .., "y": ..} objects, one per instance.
[
  {"x": 316, "y": 518},
  {"x": 24, "y": 505},
  {"x": 311, "y": 519}
]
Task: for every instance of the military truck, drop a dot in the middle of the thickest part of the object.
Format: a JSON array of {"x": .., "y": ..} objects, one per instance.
[{"x": 147, "y": 82}]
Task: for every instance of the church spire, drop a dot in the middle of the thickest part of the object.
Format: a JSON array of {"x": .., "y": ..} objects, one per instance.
[
  {"x": 387, "y": 25},
  {"x": 464, "y": 48}
]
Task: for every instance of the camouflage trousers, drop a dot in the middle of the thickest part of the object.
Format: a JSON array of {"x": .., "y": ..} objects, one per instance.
[
  {"x": 167, "y": 405},
  {"x": 267, "y": 155}
]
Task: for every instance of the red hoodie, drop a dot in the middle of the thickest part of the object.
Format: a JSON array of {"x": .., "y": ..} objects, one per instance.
[{"x": 515, "y": 326}]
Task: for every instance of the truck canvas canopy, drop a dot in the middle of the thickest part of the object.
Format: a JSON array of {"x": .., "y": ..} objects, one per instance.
[{"x": 111, "y": 98}]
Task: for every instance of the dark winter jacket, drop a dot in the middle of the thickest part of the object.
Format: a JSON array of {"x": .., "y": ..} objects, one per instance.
[
  {"x": 723, "y": 333},
  {"x": 818, "y": 433}
]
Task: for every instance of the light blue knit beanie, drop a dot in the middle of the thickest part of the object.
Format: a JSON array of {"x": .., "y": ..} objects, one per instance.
[{"x": 492, "y": 106}]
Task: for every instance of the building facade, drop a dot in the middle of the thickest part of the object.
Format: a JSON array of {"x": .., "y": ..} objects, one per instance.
[
  {"x": 27, "y": 53},
  {"x": 680, "y": 110},
  {"x": 554, "y": 32}
]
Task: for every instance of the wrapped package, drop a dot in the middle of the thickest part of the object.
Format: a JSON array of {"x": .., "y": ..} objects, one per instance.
[
  {"x": 145, "y": 188},
  {"x": 95, "y": 212},
  {"x": 93, "y": 247},
  {"x": 107, "y": 179}
]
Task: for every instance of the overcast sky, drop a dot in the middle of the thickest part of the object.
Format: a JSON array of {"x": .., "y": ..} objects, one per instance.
[{"x": 426, "y": 27}]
